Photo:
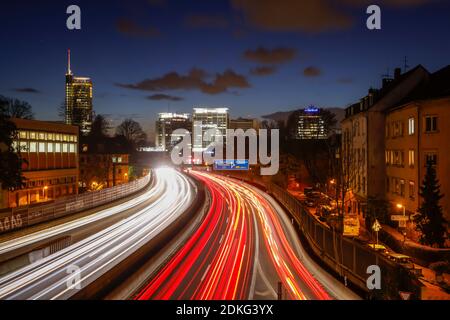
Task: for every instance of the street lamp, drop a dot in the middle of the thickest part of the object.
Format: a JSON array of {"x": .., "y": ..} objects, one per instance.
[
  {"x": 400, "y": 206},
  {"x": 45, "y": 192}
]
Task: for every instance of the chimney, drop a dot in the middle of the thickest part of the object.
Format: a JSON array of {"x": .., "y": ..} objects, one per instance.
[{"x": 397, "y": 73}]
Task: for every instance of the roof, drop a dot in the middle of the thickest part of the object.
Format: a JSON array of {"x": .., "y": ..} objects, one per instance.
[
  {"x": 48, "y": 126},
  {"x": 388, "y": 87},
  {"x": 437, "y": 86}
]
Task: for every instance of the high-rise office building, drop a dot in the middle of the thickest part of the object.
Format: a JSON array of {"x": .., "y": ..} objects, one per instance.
[
  {"x": 210, "y": 118},
  {"x": 166, "y": 124},
  {"x": 311, "y": 125},
  {"x": 78, "y": 100}
]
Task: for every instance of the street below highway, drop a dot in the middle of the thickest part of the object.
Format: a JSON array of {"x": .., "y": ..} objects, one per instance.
[{"x": 245, "y": 248}]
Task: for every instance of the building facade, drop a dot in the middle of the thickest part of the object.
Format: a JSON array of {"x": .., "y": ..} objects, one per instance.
[
  {"x": 208, "y": 118},
  {"x": 166, "y": 124},
  {"x": 244, "y": 124},
  {"x": 78, "y": 101},
  {"x": 103, "y": 164},
  {"x": 51, "y": 169},
  {"x": 363, "y": 144},
  {"x": 417, "y": 134},
  {"x": 310, "y": 125}
]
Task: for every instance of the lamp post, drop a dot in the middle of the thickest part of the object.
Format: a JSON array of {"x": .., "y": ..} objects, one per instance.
[
  {"x": 45, "y": 192},
  {"x": 401, "y": 206}
]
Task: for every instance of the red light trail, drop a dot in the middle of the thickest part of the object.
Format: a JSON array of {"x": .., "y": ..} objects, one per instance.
[{"x": 217, "y": 262}]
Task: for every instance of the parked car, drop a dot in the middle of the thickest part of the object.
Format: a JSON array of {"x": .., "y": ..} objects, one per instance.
[
  {"x": 378, "y": 248},
  {"x": 401, "y": 259}
]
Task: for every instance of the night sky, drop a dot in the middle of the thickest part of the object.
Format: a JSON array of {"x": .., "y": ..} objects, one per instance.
[{"x": 254, "y": 56}]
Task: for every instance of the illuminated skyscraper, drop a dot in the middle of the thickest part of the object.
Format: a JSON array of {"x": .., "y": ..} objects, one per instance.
[
  {"x": 78, "y": 100},
  {"x": 166, "y": 124},
  {"x": 311, "y": 125},
  {"x": 208, "y": 118}
]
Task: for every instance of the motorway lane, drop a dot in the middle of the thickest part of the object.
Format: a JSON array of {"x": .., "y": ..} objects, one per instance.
[
  {"x": 244, "y": 247},
  {"x": 53, "y": 276},
  {"x": 78, "y": 228},
  {"x": 215, "y": 259}
]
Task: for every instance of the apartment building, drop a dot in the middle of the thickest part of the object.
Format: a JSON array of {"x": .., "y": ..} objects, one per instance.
[
  {"x": 417, "y": 133},
  {"x": 363, "y": 141}
]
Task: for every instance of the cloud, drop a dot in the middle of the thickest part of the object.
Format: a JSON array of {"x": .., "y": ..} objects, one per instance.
[
  {"x": 196, "y": 79},
  {"x": 27, "y": 90},
  {"x": 268, "y": 56},
  {"x": 206, "y": 21},
  {"x": 158, "y": 97},
  {"x": 292, "y": 15},
  {"x": 225, "y": 80},
  {"x": 263, "y": 71},
  {"x": 130, "y": 28},
  {"x": 391, "y": 3},
  {"x": 311, "y": 16},
  {"x": 312, "y": 72}
]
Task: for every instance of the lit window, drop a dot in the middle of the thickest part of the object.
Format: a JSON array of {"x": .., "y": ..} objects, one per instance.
[
  {"x": 402, "y": 187},
  {"x": 72, "y": 148},
  {"x": 58, "y": 137},
  {"x": 64, "y": 147},
  {"x": 41, "y": 136},
  {"x": 65, "y": 137},
  {"x": 33, "y": 135},
  {"x": 411, "y": 158},
  {"x": 23, "y": 134},
  {"x": 412, "y": 190},
  {"x": 75, "y": 139},
  {"x": 23, "y": 146},
  {"x": 41, "y": 146},
  {"x": 71, "y": 138},
  {"x": 33, "y": 147},
  {"x": 411, "y": 126},
  {"x": 49, "y": 147},
  {"x": 50, "y": 136}
]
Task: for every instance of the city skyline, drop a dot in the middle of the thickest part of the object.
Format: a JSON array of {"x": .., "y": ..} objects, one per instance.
[{"x": 150, "y": 58}]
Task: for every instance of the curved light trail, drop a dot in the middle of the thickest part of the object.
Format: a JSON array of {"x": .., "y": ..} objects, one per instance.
[
  {"x": 242, "y": 238},
  {"x": 59, "y": 275},
  {"x": 57, "y": 230}
]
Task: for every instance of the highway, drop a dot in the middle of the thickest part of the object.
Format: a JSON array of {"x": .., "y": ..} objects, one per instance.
[
  {"x": 61, "y": 275},
  {"x": 244, "y": 248}
]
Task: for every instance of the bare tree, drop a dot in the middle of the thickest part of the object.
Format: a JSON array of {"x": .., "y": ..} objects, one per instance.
[
  {"x": 62, "y": 111},
  {"x": 132, "y": 131},
  {"x": 15, "y": 108}
]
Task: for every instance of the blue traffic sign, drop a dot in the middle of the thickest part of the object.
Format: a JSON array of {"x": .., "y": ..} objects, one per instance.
[{"x": 231, "y": 165}]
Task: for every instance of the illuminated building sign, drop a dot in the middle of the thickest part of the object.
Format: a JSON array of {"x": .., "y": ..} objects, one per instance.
[
  {"x": 312, "y": 109},
  {"x": 231, "y": 165}
]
